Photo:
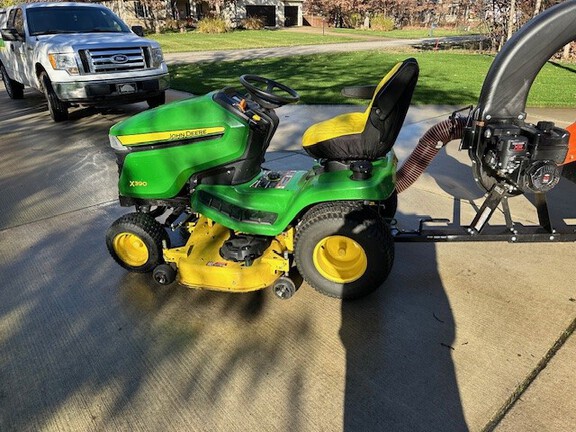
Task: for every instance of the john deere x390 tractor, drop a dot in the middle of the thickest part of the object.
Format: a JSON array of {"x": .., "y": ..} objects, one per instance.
[{"x": 195, "y": 166}]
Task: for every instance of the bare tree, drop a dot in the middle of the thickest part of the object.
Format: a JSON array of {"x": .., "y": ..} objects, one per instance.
[
  {"x": 537, "y": 7},
  {"x": 219, "y": 5},
  {"x": 151, "y": 12},
  {"x": 511, "y": 18}
]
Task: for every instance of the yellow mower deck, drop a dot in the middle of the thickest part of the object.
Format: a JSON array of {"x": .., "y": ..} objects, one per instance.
[{"x": 201, "y": 266}]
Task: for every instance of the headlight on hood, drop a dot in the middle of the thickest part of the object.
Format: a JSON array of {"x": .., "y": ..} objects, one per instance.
[
  {"x": 157, "y": 57},
  {"x": 66, "y": 61}
]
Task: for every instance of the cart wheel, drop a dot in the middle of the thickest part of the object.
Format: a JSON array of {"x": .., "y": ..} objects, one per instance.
[
  {"x": 164, "y": 274},
  {"x": 135, "y": 242},
  {"x": 284, "y": 288},
  {"x": 343, "y": 251}
]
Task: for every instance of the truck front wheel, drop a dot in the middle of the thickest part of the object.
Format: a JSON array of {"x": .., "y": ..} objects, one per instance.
[
  {"x": 157, "y": 100},
  {"x": 58, "y": 109},
  {"x": 14, "y": 89}
]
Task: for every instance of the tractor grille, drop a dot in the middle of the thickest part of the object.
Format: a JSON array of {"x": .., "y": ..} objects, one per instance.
[{"x": 107, "y": 60}]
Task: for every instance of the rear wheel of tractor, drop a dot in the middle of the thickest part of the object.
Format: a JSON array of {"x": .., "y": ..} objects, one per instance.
[
  {"x": 14, "y": 89},
  {"x": 58, "y": 109},
  {"x": 156, "y": 101},
  {"x": 390, "y": 206},
  {"x": 135, "y": 242},
  {"x": 344, "y": 251}
]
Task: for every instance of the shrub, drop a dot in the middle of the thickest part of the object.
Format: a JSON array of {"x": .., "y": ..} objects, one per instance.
[
  {"x": 212, "y": 25},
  {"x": 253, "y": 23},
  {"x": 355, "y": 20},
  {"x": 381, "y": 23}
]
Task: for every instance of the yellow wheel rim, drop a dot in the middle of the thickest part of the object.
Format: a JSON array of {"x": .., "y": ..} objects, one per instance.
[
  {"x": 130, "y": 249},
  {"x": 340, "y": 259}
]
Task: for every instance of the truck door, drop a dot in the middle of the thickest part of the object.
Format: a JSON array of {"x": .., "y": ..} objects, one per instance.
[{"x": 16, "y": 62}]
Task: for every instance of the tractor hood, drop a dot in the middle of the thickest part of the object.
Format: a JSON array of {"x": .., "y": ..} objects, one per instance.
[
  {"x": 514, "y": 69},
  {"x": 182, "y": 121}
]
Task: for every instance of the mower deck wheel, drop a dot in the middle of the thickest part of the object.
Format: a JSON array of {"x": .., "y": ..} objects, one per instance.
[
  {"x": 164, "y": 274},
  {"x": 284, "y": 288}
]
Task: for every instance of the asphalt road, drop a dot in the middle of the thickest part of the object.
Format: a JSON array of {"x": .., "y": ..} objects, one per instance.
[{"x": 441, "y": 346}]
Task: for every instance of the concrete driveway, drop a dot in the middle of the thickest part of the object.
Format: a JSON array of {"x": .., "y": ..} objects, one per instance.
[{"x": 444, "y": 345}]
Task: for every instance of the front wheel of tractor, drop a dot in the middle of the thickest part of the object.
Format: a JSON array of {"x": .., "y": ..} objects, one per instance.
[{"x": 135, "y": 241}]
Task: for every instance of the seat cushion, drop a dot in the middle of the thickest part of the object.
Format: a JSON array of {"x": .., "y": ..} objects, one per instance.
[
  {"x": 343, "y": 128},
  {"x": 343, "y": 124}
]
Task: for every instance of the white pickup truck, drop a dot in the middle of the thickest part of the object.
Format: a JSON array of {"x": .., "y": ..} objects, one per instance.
[{"x": 78, "y": 54}]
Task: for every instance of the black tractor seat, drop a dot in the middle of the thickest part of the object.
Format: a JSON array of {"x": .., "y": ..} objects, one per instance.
[{"x": 371, "y": 134}]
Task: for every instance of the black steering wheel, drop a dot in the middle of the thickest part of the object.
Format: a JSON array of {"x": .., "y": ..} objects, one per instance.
[{"x": 263, "y": 91}]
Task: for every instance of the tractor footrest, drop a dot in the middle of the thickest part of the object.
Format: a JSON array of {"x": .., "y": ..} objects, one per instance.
[{"x": 235, "y": 212}]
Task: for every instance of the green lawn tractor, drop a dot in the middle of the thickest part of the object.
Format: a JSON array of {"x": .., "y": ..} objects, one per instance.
[{"x": 209, "y": 216}]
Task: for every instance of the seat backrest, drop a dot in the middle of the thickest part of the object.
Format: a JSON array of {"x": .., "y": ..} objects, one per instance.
[{"x": 388, "y": 108}]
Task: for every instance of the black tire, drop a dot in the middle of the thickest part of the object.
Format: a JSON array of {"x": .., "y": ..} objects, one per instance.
[
  {"x": 135, "y": 242},
  {"x": 284, "y": 288},
  {"x": 164, "y": 274},
  {"x": 58, "y": 109},
  {"x": 156, "y": 101},
  {"x": 14, "y": 89},
  {"x": 390, "y": 205},
  {"x": 364, "y": 238}
]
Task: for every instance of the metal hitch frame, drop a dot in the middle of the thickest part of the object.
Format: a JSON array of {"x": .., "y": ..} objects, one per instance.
[{"x": 480, "y": 231}]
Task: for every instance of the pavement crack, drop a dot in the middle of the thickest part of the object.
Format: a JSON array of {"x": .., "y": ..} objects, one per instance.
[{"x": 523, "y": 386}]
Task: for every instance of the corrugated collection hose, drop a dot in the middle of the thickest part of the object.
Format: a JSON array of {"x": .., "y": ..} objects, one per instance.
[{"x": 428, "y": 146}]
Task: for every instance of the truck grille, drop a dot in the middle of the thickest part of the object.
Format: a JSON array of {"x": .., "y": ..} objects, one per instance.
[{"x": 108, "y": 60}]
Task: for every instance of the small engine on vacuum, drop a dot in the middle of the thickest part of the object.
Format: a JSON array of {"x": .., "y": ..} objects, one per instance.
[{"x": 527, "y": 157}]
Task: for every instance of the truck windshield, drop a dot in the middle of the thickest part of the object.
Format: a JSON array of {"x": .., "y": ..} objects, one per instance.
[{"x": 77, "y": 19}]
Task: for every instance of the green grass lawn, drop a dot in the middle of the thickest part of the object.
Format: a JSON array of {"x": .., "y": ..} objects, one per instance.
[
  {"x": 242, "y": 39},
  {"x": 453, "y": 78}
]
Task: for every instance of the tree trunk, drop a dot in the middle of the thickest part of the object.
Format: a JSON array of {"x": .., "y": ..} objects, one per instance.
[
  {"x": 511, "y": 17},
  {"x": 566, "y": 52},
  {"x": 537, "y": 7}
]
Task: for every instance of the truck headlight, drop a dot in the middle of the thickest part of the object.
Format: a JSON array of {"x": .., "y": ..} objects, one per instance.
[
  {"x": 157, "y": 57},
  {"x": 65, "y": 62}
]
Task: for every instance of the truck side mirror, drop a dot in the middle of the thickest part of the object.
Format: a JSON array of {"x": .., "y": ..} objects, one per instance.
[
  {"x": 139, "y": 30},
  {"x": 10, "y": 34}
]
